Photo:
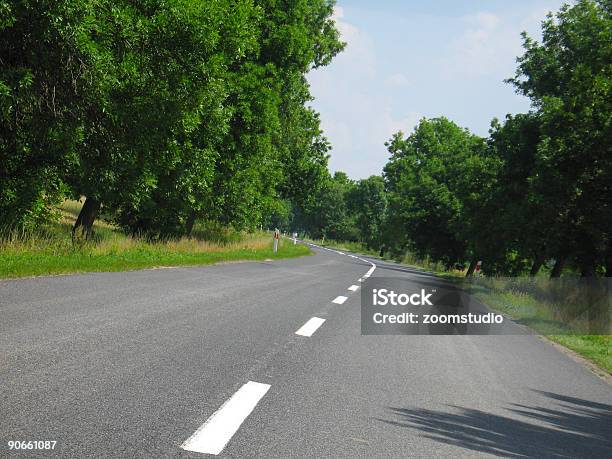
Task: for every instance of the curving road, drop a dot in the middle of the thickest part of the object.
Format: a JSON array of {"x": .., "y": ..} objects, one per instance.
[{"x": 206, "y": 360}]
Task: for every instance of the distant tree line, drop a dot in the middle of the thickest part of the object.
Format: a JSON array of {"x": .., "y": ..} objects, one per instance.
[
  {"x": 161, "y": 112},
  {"x": 536, "y": 191}
]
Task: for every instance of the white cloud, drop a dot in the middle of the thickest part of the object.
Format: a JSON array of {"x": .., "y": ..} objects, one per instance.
[
  {"x": 489, "y": 43},
  {"x": 532, "y": 23},
  {"x": 356, "y": 109},
  {"x": 487, "y": 46},
  {"x": 359, "y": 52},
  {"x": 406, "y": 124},
  {"x": 483, "y": 20},
  {"x": 398, "y": 80},
  {"x": 399, "y": 66}
]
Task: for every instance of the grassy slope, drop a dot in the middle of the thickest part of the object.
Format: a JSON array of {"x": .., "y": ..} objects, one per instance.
[
  {"x": 595, "y": 348},
  {"x": 52, "y": 251},
  {"x": 525, "y": 309}
]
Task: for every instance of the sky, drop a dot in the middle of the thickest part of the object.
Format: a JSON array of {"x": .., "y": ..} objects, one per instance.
[{"x": 410, "y": 59}]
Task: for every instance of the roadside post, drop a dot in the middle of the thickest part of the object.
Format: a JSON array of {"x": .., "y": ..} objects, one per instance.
[
  {"x": 276, "y": 238},
  {"x": 478, "y": 268},
  {"x": 294, "y": 238}
]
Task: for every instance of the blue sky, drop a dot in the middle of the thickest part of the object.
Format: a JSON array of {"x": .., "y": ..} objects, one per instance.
[{"x": 409, "y": 59}]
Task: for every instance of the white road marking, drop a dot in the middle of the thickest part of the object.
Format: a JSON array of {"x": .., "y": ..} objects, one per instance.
[
  {"x": 365, "y": 276},
  {"x": 354, "y": 288},
  {"x": 214, "y": 434},
  {"x": 310, "y": 327},
  {"x": 370, "y": 271},
  {"x": 340, "y": 299}
]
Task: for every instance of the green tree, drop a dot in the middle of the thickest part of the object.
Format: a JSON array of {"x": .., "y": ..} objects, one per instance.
[
  {"x": 436, "y": 178},
  {"x": 368, "y": 201},
  {"x": 568, "y": 78},
  {"x": 329, "y": 216},
  {"x": 171, "y": 105},
  {"x": 506, "y": 225},
  {"x": 163, "y": 111},
  {"x": 274, "y": 150},
  {"x": 48, "y": 76}
]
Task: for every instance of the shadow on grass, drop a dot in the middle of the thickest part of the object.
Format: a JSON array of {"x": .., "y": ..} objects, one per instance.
[{"x": 573, "y": 427}]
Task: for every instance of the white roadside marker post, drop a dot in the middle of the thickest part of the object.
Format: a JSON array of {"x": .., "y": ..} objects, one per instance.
[
  {"x": 276, "y": 238},
  {"x": 478, "y": 268}
]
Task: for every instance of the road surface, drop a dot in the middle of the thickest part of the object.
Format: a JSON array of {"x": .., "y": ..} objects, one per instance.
[{"x": 160, "y": 362}]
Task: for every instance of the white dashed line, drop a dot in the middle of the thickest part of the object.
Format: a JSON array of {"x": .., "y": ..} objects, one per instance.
[
  {"x": 214, "y": 434},
  {"x": 310, "y": 327},
  {"x": 218, "y": 430},
  {"x": 370, "y": 271}
]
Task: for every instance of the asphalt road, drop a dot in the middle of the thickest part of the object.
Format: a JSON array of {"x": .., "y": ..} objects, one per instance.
[{"x": 154, "y": 363}]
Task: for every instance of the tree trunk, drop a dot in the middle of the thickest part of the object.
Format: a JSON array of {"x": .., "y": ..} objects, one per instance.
[
  {"x": 189, "y": 223},
  {"x": 84, "y": 222},
  {"x": 588, "y": 260},
  {"x": 537, "y": 264},
  {"x": 587, "y": 269},
  {"x": 559, "y": 263},
  {"x": 471, "y": 268}
]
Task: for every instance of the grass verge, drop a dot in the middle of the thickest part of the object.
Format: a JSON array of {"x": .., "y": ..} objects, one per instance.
[
  {"x": 50, "y": 251},
  {"x": 542, "y": 316}
]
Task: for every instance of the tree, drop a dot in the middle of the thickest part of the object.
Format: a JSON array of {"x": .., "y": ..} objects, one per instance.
[
  {"x": 367, "y": 200},
  {"x": 568, "y": 78},
  {"x": 328, "y": 217},
  {"x": 167, "y": 111},
  {"x": 434, "y": 180},
  {"x": 48, "y": 76},
  {"x": 274, "y": 150},
  {"x": 303, "y": 152},
  {"x": 508, "y": 231},
  {"x": 161, "y": 112}
]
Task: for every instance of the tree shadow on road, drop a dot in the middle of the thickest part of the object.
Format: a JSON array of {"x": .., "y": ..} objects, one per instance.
[{"x": 573, "y": 428}]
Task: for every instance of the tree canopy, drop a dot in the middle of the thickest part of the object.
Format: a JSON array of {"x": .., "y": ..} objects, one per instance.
[{"x": 161, "y": 112}]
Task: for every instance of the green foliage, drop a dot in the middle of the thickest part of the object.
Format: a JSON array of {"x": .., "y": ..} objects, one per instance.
[
  {"x": 367, "y": 200},
  {"x": 436, "y": 178},
  {"x": 510, "y": 221},
  {"x": 274, "y": 149},
  {"x": 171, "y": 112},
  {"x": 43, "y": 69},
  {"x": 162, "y": 111},
  {"x": 328, "y": 215},
  {"x": 569, "y": 78}
]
